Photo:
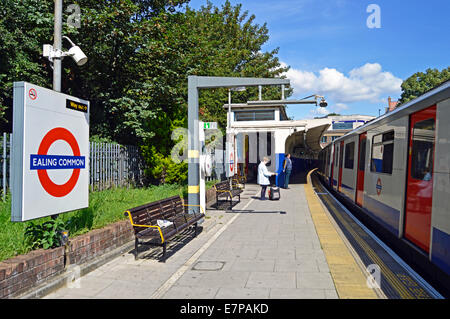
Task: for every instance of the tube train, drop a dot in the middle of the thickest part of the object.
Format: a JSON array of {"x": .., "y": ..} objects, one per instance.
[{"x": 395, "y": 171}]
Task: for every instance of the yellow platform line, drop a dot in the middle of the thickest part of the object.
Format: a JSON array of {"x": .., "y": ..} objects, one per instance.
[
  {"x": 350, "y": 281},
  {"x": 394, "y": 281}
]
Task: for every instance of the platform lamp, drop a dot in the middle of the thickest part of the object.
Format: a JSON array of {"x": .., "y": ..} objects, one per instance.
[{"x": 322, "y": 103}]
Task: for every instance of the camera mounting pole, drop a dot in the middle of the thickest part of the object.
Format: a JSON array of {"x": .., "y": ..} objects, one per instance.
[
  {"x": 54, "y": 52},
  {"x": 57, "y": 45}
]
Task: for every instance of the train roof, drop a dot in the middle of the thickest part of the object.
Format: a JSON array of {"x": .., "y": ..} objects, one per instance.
[{"x": 433, "y": 96}]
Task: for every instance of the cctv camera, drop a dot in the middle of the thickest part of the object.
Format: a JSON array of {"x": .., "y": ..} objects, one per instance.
[
  {"x": 79, "y": 57},
  {"x": 323, "y": 103}
]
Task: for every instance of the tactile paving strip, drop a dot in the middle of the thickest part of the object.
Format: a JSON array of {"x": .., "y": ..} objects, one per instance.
[{"x": 395, "y": 281}]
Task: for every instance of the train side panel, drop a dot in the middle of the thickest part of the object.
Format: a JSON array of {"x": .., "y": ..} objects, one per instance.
[
  {"x": 349, "y": 166},
  {"x": 327, "y": 163},
  {"x": 440, "y": 220},
  {"x": 384, "y": 180},
  {"x": 331, "y": 165},
  {"x": 335, "y": 177}
]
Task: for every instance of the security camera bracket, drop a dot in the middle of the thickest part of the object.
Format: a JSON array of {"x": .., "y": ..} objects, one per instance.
[{"x": 51, "y": 53}]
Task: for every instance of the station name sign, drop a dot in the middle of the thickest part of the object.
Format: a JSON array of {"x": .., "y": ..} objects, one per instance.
[
  {"x": 50, "y": 153},
  {"x": 56, "y": 162}
]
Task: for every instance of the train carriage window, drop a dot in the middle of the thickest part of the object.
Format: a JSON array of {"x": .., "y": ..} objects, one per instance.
[
  {"x": 423, "y": 149},
  {"x": 362, "y": 155},
  {"x": 349, "y": 155},
  {"x": 382, "y": 153}
]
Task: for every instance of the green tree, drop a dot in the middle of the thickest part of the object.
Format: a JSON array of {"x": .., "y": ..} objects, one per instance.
[
  {"x": 24, "y": 27},
  {"x": 140, "y": 53},
  {"x": 209, "y": 42},
  {"x": 420, "y": 82},
  {"x": 111, "y": 34}
]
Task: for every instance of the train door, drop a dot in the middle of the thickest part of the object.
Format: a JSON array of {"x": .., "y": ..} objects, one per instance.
[
  {"x": 419, "y": 187},
  {"x": 361, "y": 169},
  {"x": 341, "y": 157},
  {"x": 332, "y": 164},
  {"x": 336, "y": 166}
]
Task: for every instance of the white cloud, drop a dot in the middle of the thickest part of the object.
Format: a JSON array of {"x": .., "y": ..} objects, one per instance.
[
  {"x": 340, "y": 107},
  {"x": 366, "y": 83},
  {"x": 320, "y": 111}
]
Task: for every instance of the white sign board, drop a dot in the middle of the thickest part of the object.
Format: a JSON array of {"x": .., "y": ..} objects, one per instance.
[
  {"x": 50, "y": 153},
  {"x": 210, "y": 125}
]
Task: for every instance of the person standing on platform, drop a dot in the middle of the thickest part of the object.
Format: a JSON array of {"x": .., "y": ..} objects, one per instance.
[
  {"x": 287, "y": 170},
  {"x": 263, "y": 176}
]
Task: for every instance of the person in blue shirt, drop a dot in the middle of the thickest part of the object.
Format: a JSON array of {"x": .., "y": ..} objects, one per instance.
[
  {"x": 287, "y": 170},
  {"x": 263, "y": 176}
]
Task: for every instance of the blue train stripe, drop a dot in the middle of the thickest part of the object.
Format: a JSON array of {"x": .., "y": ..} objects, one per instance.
[
  {"x": 347, "y": 187},
  {"x": 440, "y": 255},
  {"x": 347, "y": 190},
  {"x": 387, "y": 216}
]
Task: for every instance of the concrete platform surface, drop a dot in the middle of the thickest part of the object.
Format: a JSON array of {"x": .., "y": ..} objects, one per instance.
[{"x": 261, "y": 249}]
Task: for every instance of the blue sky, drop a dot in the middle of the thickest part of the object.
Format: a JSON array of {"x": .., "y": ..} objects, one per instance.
[{"x": 332, "y": 52}]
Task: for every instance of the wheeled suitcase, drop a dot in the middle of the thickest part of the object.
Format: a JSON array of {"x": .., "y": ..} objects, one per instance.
[{"x": 274, "y": 191}]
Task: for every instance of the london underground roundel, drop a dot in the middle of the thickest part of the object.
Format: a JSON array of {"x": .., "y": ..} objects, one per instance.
[
  {"x": 42, "y": 161},
  {"x": 379, "y": 186},
  {"x": 231, "y": 162}
]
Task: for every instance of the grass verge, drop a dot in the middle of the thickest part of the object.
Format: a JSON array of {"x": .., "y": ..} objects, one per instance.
[{"x": 105, "y": 207}]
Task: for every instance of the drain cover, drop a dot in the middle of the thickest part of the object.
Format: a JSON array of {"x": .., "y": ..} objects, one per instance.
[{"x": 208, "y": 265}]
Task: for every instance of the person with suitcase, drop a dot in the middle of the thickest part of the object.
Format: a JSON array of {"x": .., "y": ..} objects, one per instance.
[{"x": 263, "y": 176}]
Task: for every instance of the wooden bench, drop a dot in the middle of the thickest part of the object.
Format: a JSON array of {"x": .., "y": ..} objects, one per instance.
[
  {"x": 223, "y": 190},
  {"x": 144, "y": 220},
  {"x": 238, "y": 181}
]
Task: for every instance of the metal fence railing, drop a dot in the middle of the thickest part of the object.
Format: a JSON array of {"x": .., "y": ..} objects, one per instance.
[
  {"x": 114, "y": 165},
  {"x": 109, "y": 165}
]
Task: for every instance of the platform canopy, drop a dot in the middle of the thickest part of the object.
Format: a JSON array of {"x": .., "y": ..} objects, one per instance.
[{"x": 308, "y": 138}]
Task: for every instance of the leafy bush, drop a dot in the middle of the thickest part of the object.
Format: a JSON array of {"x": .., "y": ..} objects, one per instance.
[
  {"x": 163, "y": 170},
  {"x": 46, "y": 235}
]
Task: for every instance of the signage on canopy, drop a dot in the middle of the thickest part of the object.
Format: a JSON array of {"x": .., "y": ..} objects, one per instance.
[
  {"x": 210, "y": 125},
  {"x": 50, "y": 153}
]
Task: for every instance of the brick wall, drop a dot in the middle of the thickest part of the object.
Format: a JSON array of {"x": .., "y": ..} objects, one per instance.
[
  {"x": 98, "y": 242},
  {"x": 21, "y": 273}
]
